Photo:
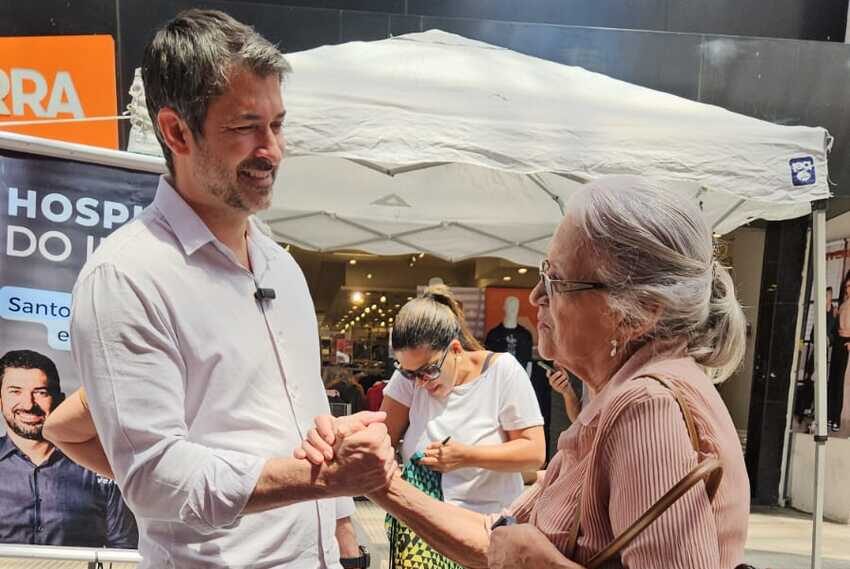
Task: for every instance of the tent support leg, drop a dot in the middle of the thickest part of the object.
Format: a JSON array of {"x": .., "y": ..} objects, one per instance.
[{"x": 821, "y": 433}]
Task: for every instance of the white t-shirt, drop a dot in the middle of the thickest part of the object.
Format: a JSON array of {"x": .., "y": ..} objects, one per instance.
[{"x": 477, "y": 413}]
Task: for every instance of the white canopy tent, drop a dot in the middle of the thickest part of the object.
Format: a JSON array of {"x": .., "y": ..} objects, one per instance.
[{"x": 435, "y": 143}]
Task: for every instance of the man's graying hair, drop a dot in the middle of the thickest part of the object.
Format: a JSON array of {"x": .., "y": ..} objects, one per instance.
[
  {"x": 656, "y": 254},
  {"x": 188, "y": 62}
]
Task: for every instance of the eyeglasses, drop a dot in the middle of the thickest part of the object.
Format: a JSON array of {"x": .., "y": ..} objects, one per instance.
[
  {"x": 557, "y": 285},
  {"x": 429, "y": 372}
]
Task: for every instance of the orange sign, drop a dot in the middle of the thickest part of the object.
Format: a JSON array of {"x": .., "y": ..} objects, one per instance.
[{"x": 59, "y": 78}]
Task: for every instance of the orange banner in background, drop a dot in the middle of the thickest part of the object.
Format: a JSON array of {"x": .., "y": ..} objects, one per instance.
[{"x": 60, "y": 77}]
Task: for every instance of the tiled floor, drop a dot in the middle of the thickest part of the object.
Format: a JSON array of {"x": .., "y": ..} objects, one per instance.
[{"x": 778, "y": 539}]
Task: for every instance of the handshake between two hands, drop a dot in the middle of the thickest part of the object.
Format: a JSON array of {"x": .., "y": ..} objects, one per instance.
[{"x": 353, "y": 453}]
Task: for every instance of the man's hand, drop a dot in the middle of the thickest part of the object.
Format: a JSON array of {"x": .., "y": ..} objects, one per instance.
[
  {"x": 523, "y": 545},
  {"x": 318, "y": 447},
  {"x": 445, "y": 457}
]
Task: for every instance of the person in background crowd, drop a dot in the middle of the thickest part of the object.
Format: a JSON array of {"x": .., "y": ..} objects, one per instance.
[
  {"x": 469, "y": 417},
  {"x": 838, "y": 362},
  {"x": 560, "y": 382},
  {"x": 47, "y": 499},
  {"x": 195, "y": 335},
  {"x": 341, "y": 381},
  {"x": 634, "y": 303}
]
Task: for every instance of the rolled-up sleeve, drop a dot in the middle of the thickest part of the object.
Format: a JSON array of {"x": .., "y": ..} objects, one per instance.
[
  {"x": 127, "y": 353},
  {"x": 344, "y": 508}
]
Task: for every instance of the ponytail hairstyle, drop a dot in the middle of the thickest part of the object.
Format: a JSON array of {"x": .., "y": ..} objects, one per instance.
[
  {"x": 432, "y": 320},
  {"x": 654, "y": 250}
]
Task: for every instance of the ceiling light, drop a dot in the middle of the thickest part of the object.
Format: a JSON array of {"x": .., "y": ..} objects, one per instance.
[
  {"x": 368, "y": 275},
  {"x": 398, "y": 306},
  {"x": 357, "y": 297},
  {"x": 352, "y": 262},
  {"x": 374, "y": 306},
  {"x": 506, "y": 278},
  {"x": 367, "y": 310},
  {"x": 522, "y": 270},
  {"x": 390, "y": 320},
  {"x": 383, "y": 324},
  {"x": 383, "y": 299},
  {"x": 421, "y": 255},
  {"x": 409, "y": 298},
  {"x": 357, "y": 319},
  {"x": 368, "y": 294}
]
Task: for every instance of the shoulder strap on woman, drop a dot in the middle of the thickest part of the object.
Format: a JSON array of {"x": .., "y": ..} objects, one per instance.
[
  {"x": 487, "y": 361},
  {"x": 683, "y": 407}
]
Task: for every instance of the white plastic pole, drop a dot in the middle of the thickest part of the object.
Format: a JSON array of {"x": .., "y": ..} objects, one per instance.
[
  {"x": 56, "y": 553},
  {"x": 821, "y": 434}
]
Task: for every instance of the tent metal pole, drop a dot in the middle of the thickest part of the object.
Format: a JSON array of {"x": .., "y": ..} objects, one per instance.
[
  {"x": 795, "y": 365},
  {"x": 821, "y": 434},
  {"x": 539, "y": 183},
  {"x": 391, "y": 172}
]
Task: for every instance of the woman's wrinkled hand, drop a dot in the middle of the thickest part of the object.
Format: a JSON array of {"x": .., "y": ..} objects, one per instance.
[{"x": 523, "y": 545}]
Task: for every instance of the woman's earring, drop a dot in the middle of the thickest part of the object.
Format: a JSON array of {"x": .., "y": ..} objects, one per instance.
[{"x": 613, "y": 348}]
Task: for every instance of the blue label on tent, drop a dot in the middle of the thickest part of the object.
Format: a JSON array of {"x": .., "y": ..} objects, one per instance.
[{"x": 803, "y": 171}]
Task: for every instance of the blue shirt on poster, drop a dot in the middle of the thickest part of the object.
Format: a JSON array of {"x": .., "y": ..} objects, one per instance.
[{"x": 60, "y": 503}]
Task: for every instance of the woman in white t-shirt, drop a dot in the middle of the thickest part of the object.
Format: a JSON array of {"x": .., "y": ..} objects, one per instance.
[{"x": 462, "y": 411}]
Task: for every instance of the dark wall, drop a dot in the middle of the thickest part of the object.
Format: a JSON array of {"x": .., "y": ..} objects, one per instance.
[
  {"x": 784, "y": 250},
  {"x": 780, "y": 80},
  {"x": 793, "y": 19}
]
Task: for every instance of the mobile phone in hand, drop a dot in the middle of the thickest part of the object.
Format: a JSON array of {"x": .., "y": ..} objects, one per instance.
[{"x": 545, "y": 366}]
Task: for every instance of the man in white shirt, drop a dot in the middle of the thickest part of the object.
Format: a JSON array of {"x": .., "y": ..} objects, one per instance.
[{"x": 195, "y": 335}]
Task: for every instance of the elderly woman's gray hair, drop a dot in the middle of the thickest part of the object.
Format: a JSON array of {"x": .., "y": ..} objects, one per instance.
[{"x": 656, "y": 254}]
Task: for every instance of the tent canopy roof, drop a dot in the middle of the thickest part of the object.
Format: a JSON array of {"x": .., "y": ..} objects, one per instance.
[{"x": 434, "y": 142}]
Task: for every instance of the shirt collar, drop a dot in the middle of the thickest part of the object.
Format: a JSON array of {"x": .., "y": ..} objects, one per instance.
[
  {"x": 190, "y": 230},
  {"x": 636, "y": 366},
  {"x": 7, "y": 447},
  {"x": 193, "y": 233}
]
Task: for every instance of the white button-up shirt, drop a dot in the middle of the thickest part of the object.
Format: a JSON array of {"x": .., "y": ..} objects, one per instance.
[{"x": 194, "y": 384}]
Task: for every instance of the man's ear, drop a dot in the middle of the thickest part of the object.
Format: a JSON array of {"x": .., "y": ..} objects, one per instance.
[{"x": 175, "y": 132}]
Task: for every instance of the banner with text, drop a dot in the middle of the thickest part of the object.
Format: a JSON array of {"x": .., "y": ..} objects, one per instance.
[{"x": 53, "y": 214}]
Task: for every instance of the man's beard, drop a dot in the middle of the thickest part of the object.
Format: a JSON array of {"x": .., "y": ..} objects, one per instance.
[
  {"x": 219, "y": 182},
  {"x": 31, "y": 432}
]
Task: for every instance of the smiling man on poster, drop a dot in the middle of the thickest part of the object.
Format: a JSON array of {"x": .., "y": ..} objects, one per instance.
[{"x": 195, "y": 335}]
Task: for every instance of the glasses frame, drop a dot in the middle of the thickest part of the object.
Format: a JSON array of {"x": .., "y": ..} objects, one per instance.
[
  {"x": 562, "y": 286},
  {"x": 437, "y": 370}
]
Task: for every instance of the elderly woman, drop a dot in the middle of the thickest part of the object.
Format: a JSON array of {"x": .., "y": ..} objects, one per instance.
[{"x": 631, "y": 292}]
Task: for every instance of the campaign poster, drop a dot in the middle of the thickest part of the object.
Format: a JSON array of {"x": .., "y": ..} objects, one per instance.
[{"x": 53, "y": 215}]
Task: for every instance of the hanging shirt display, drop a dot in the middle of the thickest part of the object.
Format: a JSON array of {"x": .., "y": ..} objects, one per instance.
[{"x": 516, "y": 341}]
